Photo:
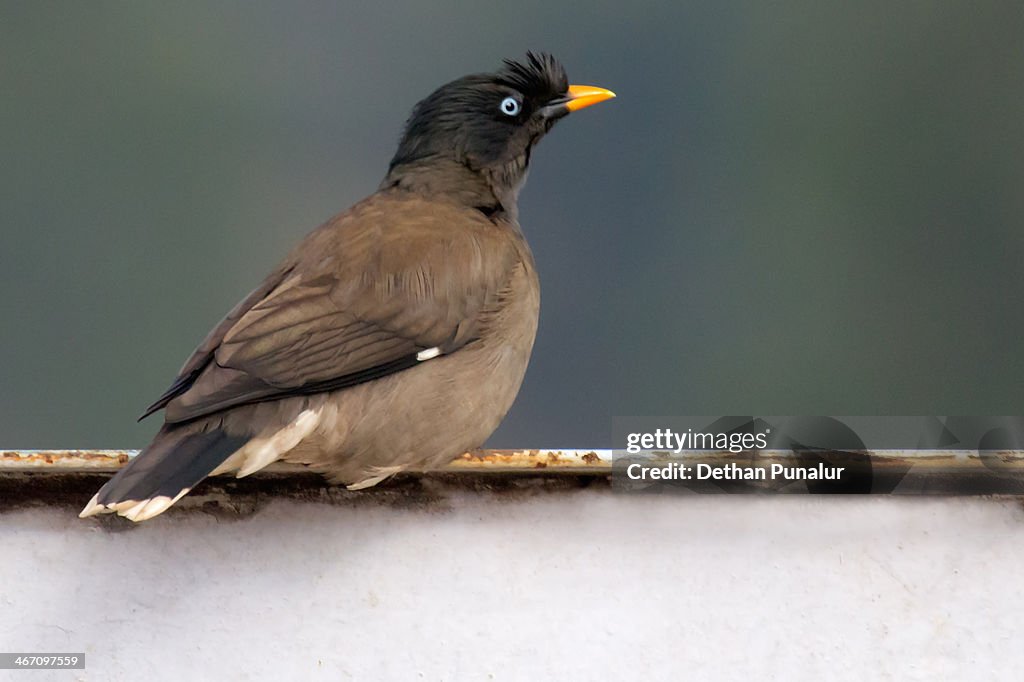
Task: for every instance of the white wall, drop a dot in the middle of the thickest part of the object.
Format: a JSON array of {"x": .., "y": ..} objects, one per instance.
[{"x": 573, "y": 585}]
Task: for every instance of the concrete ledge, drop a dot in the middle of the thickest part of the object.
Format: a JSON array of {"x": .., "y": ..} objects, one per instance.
[{"x": 579, "y": 585}]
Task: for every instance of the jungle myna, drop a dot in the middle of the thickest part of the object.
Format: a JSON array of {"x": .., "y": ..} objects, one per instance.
[{"x": 394, "y": 336}]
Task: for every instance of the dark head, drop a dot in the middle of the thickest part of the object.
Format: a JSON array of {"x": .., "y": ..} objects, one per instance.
[{"x": 471, "y": 139}]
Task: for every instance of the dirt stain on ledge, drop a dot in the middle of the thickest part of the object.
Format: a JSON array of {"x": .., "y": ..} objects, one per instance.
[{"x": 231, "y": 498}]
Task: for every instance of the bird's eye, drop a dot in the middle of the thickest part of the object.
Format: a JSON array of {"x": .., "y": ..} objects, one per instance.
[{"x": 510, "y": 106}]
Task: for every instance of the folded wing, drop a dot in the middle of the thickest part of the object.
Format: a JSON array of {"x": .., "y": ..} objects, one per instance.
[{"x": 356, "y": 301}]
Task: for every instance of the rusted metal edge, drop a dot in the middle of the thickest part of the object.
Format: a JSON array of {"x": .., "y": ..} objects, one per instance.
[
  {"x": 67, "y": 478},
  {"x": 549, "y": 460},
  {"x": 94, "y": 461}
]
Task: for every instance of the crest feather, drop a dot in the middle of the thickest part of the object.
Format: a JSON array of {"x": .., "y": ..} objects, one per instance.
[{"x": 539, "y": 75}]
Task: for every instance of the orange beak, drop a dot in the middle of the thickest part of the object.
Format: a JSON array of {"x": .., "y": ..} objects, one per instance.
[{"x": 582, "y": 96}]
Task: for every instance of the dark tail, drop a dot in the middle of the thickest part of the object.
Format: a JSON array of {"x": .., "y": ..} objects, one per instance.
[{"x": 176, "y": 460}]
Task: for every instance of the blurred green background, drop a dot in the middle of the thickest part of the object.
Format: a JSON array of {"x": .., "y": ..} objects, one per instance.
[{"x": 791, "y": 208}]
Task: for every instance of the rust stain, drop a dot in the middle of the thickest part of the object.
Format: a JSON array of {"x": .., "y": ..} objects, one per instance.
[
  {"x": 525, "y": 459},
  {"x": 67, "y": 458}
]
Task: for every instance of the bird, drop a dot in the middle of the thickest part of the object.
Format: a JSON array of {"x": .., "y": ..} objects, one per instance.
[{"x": 394, "y": 336}]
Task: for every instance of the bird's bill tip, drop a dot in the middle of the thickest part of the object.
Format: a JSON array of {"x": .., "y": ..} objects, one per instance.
[{"x": 582, "y": 96}]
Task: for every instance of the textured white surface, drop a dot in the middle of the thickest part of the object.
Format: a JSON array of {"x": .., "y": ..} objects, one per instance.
[{"x": 583, "y": 585}]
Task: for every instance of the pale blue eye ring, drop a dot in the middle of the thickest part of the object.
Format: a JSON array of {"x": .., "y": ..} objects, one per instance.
[{"x": 510, "y": 106}]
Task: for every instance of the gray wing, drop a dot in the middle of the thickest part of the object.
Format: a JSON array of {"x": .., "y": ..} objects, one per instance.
[{"x": 357, "y": 300}]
